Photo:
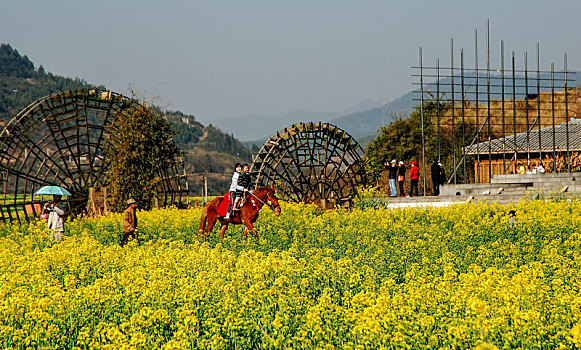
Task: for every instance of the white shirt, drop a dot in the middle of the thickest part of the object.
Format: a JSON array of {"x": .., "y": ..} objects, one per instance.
[
  {"x": 56, "y": 218},
  {"x": 234, "y": 186}
]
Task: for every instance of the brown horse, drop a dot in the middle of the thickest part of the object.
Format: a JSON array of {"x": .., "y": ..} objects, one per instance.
[{"x": 247, "y": 214}]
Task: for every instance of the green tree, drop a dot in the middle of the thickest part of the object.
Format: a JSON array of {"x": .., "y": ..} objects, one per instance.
[
  {"x": 13, "y": 64},
  {"x": 137, "y": 148}
]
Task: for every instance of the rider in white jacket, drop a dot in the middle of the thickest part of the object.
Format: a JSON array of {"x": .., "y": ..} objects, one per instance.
[{"x": 233, "y": 187}]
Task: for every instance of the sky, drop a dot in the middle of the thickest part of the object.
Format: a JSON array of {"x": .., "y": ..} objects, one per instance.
[{"x": 219, "y": 59}]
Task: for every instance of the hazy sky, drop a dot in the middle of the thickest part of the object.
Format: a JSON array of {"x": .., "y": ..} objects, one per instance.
[{"x": 217, "y": 59}]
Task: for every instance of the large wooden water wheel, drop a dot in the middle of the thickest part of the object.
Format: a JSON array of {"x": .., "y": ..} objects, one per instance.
[
  {"x": 59, "y": 140},
  {"x": 312, "y": 163}
]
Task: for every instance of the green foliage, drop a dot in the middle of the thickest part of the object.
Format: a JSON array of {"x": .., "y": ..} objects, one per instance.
[
  {"x": 216, "y": 140},
  {"x": 371, "y": 197},
  {"x": 13, "y": 64},
  {"x": 402, "y": 140},
  {"x": 137, "y": 149},
  {"x": 188, "y": 130},
  {"x": 191, "y": 133},
  {"x": 187, "y": 135},
  {"x": 21, "y": 84}
]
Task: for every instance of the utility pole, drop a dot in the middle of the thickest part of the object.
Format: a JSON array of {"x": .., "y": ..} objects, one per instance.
[{"x": 205, "y": 188}]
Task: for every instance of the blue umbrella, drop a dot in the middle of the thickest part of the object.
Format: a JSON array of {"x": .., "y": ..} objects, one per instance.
[{"x": 53, "y": 190}]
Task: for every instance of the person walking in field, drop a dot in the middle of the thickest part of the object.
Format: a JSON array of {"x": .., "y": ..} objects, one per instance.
[
  {"x": 56, "y": 216},
  {"x": 234, "y": 186},
  {"x": 401, "y": 177},
  {"x": 391, "y": 176},
  {"x": 129, "y": 223},
  {"x": 414, "y": 177}
]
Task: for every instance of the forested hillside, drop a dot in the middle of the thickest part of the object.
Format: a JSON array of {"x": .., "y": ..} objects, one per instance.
[
  {"x": 21, "y": 83},
  {"x": 206, "y": 148}
]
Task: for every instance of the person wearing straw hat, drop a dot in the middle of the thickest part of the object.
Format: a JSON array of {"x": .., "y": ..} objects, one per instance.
[
  {"x": 130, "y": 223},
  {"x": 57, "y": 215}
]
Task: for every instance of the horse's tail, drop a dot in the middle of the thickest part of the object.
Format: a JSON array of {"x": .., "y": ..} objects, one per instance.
[{"x": 203, "y": 220}]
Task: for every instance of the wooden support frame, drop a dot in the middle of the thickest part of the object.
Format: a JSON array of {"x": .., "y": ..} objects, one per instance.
[
  {"x": 312, "y": 163},
  {"x": 59, "y": 140}
]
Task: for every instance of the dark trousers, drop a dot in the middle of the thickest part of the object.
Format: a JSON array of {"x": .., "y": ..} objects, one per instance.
[
  {"x": 413, "y": 185},
  {"x": 126, "y": 235},
  {"x": 231, "y": 205},
  {"x": 436, "y": 185},
  {"x": 401, "y": 191}
]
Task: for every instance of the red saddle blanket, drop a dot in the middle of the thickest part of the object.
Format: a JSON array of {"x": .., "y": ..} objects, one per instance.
[{"x": 223, "y": 206}]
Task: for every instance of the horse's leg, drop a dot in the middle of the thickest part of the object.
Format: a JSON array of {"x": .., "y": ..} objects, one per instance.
[
  {"x": 203, "y": 222},
  {"x": 212, "y": 218},
  {"x": 209, "y": 217},
  {"x": 250, "y": 227},
  {"x": 223, "y": 230}
]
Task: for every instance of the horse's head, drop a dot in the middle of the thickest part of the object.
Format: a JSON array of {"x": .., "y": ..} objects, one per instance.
[
  {"x": 271, "y": 199},
  {"x": 274, "y": 200}
]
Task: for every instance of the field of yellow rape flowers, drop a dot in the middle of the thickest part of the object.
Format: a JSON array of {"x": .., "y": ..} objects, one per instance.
[{"x": 466, "y": 276}]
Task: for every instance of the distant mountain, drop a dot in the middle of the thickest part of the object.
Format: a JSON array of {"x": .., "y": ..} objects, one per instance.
[
  {"x": 261, "y": 127},
  {"x": 362, "y": 106},
  {"x": 21, "y": 83},
  {"x": 207, "y": 149},
  {"x": 366, "y": 119},
  {"x": 366, "y": 123}
]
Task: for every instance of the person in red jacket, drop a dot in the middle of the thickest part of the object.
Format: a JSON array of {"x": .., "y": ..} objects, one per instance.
[{"x": 414, "y": 177}]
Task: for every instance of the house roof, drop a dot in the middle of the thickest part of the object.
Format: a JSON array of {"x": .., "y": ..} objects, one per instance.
[{"x": 496, "y": 145}]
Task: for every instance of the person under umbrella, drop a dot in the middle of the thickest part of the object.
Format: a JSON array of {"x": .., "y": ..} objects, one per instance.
[
  {"x": 57, "y": 216},
  {"x": 56, "y": 210}
]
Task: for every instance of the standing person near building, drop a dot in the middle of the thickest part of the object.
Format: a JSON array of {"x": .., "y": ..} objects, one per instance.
[
  {"x": 414, "y": 177},
  {"x": 129, "y": 223},
  {"x": 391, "y": 176},
  {"x": 401, "y": 177},
  {"x": 532, "y": 169},
  {"x": 56, "y": 216},
  {"x": 436, "y": 180},
  {"x": 442, "y": 174}
]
